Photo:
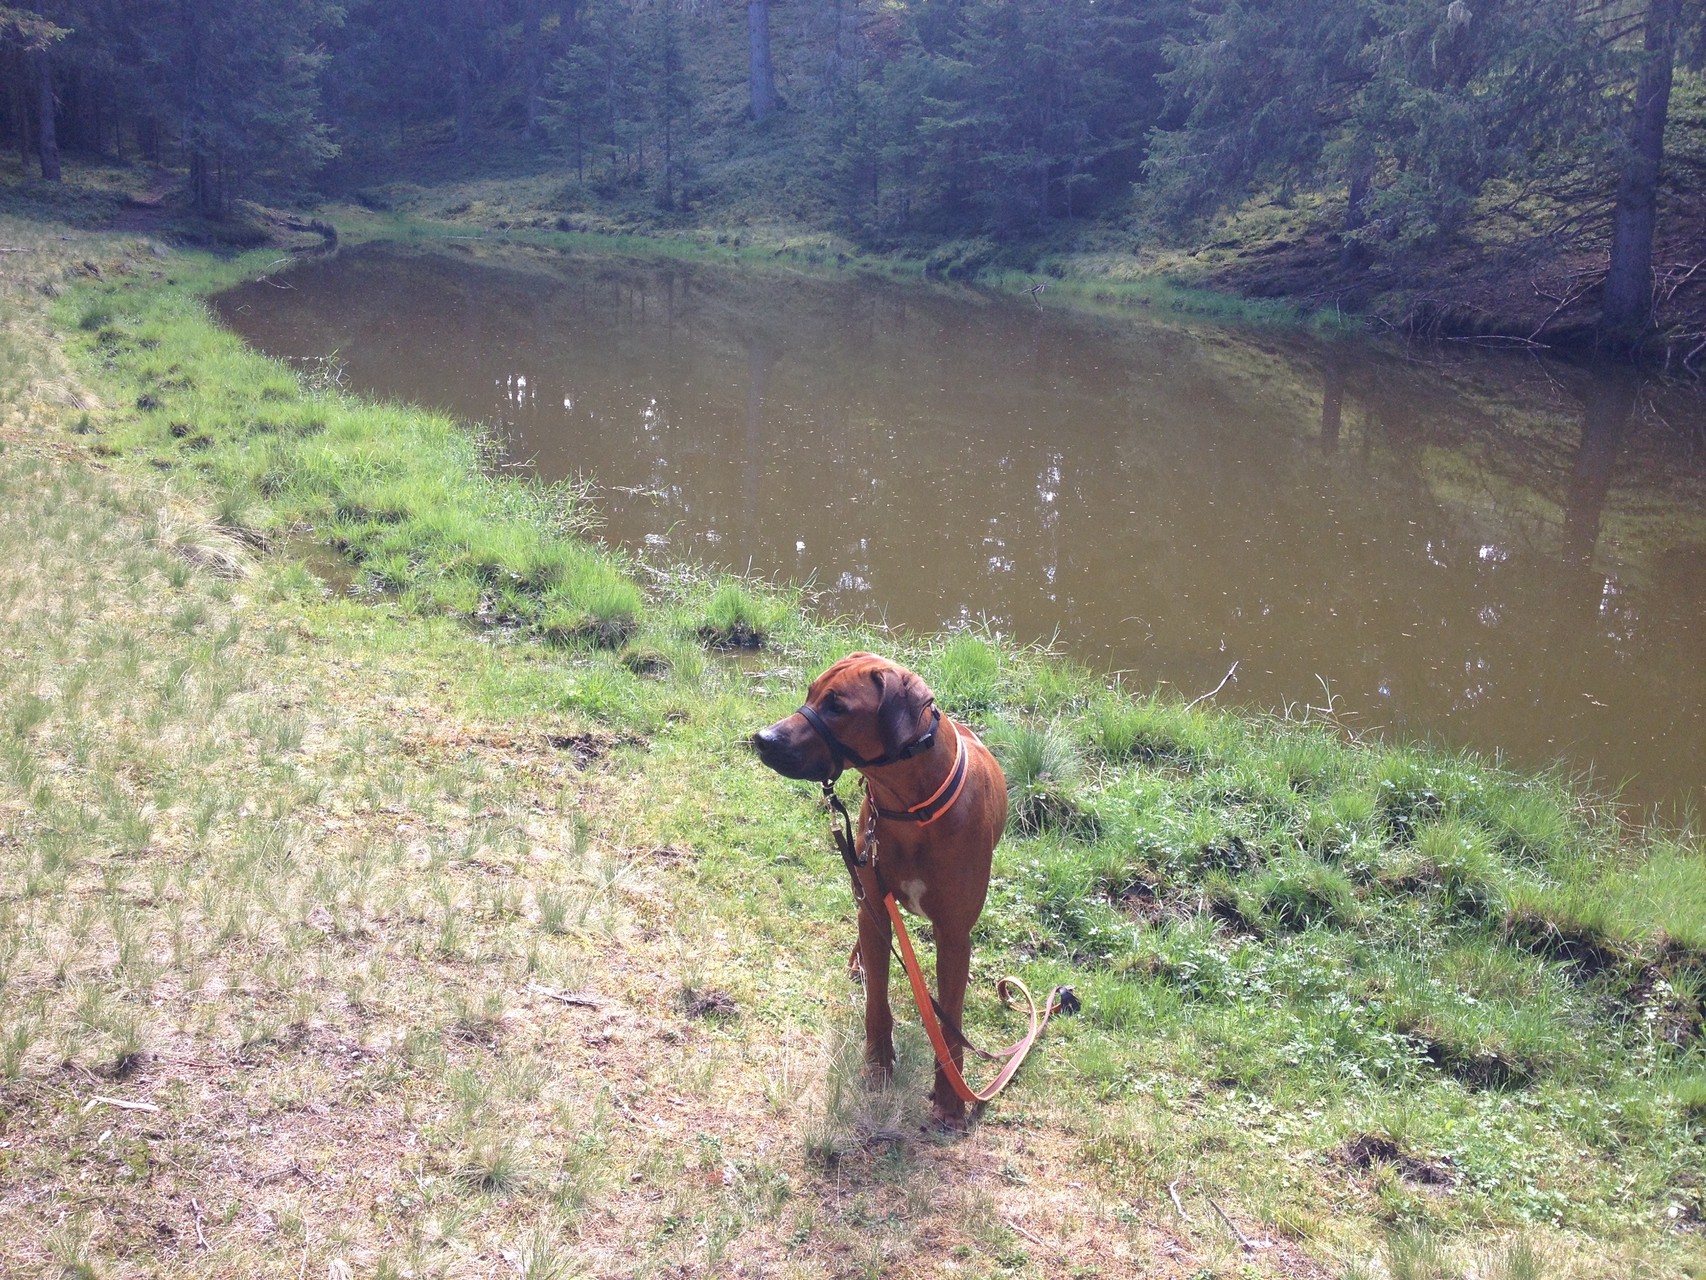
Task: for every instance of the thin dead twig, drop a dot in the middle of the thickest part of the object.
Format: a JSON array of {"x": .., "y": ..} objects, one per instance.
[
  {"x": 121, "y": 1103},
  {"x": 294, "y": 1167},
  {"x": 199, "y": 1237},
  {"x": 1504, "y": 339},
  {"x": 1670, "y": 287},
  {"x": 1244, "y": 1241},
  {"x": 1217, "y": 688},
  {"x": 1034, "y": 1239},
  {"x": 567, "y": 997},
  {"x": 1173, "y": 1194}
]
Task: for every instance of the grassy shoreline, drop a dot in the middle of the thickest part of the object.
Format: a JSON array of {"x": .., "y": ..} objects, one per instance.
[
  {"x": 310, "y": 872},
  {"x": 1061, "y": 280}
]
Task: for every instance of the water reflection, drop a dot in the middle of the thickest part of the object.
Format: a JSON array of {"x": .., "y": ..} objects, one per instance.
[{"x": 1489, "y": 552}]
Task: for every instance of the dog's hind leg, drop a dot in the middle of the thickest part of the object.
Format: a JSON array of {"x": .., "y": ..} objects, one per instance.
[{"x": 874, "y": 933}]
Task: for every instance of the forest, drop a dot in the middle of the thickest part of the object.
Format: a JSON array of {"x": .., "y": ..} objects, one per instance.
[{"x": 1552, "y": 148}]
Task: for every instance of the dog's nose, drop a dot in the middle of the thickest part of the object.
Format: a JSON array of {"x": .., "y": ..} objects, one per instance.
[{"x": 764, "y": 738}]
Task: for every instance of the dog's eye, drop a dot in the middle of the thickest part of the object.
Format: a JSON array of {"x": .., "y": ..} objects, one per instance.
[{"x": 835, "y": 704}]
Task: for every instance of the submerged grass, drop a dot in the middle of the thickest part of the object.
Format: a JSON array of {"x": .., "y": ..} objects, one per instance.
[{"x": 387, "y": 900}]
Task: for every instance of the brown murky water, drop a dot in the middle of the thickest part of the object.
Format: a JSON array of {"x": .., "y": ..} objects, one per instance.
[{"x": 1482, "y": 549}]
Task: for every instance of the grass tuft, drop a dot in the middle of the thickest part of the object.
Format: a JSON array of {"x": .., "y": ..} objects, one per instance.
[
  {"x": 1043, "y": 770},
  {"x": 739, "y": 617}
]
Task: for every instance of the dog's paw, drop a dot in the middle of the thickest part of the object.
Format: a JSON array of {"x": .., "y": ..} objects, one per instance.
[
  {"x": 949, "y": 1117},
  {"x": 877, "y": 1074}
]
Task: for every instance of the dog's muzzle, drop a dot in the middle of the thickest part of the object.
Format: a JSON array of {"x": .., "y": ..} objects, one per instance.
[{"x": 790, "y": 756}]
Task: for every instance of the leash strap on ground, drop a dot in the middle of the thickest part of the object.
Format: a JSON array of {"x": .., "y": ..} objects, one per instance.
[{"x": 1011, "y": 1056}]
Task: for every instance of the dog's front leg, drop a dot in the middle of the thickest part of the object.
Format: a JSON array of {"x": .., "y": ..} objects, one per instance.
[
  {"x": 874, "y": 931},
  {"x": 953, "y": 969}
]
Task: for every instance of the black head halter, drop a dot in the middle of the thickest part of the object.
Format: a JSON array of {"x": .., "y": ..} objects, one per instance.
[{"x": 842, "y": 756}]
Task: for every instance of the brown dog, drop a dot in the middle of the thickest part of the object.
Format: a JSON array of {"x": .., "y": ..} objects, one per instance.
[{"x": 935, "y": 830}]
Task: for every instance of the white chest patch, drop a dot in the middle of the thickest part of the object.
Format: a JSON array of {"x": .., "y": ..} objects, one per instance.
[{"x": 913, "y": 891}]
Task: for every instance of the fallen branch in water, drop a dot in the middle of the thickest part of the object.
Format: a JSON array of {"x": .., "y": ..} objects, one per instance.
[{"x": 1217, "y": 688}]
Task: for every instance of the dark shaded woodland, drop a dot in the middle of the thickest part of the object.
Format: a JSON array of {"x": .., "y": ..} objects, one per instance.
[{"x": 1410, "y": 130}]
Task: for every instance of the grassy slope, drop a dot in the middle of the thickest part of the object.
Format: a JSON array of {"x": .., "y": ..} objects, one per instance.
[{"x": 303, "y": 871}]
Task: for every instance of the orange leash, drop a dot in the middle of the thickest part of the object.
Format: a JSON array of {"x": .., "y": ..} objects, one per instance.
[{"x": 1012, "y": 1055}]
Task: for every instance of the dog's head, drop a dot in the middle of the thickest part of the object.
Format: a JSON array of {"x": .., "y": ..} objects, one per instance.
[{"x": 872, "y": 708}]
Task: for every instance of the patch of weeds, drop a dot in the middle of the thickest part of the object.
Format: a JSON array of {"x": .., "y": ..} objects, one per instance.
[
  {"x": 1486, "y": 1045},
  {"x": 602, "y": 613},
  {"x": 543, "y": 1257},
  {"x": 1308, "y": 757},
  {"x": 1689, "y": 1092},
  {"x": 712, "y": 1002},
  {"x": 94, "y": 316},
  {"x": 964, "y": 673},
  {"x": 853, "y": 1110},
  {"x": 1530, "y": 822},
  {"x": 1366, "y": 1150},
  {"x": 1229, "y": 855},
  {"x": 1416, "y": 1252},
  {"x": 493, "y": 1165},
  {"x": 646, "y": 660},
  {"x": 1043, "y": 769},
  {"x": 1121, "y": 729},
  {"x": 739, "y": 618},
  {"x": 1343, "y": 827},
  {"x": 1407, "y": 795},
  {"x": 1574, "y": 923},
  {"x": 1456, "y": 858},
  {"x": 478, "y": 1019},
  {"x": 553, "y": 906},
  {"x": 29, "y": 712},
  {"x": 1299, "y": 892}
]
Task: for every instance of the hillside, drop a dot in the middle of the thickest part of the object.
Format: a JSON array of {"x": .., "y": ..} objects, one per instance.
[
  {"x": 1525, "y": 173},
  {"x": 445, "y": 926}
]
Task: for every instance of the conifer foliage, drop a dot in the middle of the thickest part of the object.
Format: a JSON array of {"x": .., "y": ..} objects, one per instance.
[{"x": 906, "y": 119}]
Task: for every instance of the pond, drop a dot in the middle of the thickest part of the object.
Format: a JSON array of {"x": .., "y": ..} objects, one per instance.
[{"x": 1473, "y": 547}]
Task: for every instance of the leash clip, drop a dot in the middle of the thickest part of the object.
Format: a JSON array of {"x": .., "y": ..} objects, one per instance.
[{"x": 844, "y": 837}]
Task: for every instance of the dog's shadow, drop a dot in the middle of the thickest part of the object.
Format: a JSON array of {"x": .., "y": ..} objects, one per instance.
[{"x": 852, "y": 1120}]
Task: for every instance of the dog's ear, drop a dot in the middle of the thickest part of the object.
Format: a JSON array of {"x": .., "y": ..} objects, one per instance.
[{"x": 900, "y": 716}]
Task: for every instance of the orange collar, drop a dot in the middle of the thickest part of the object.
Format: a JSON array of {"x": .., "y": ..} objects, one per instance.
[{"x": 944, "y": 796}]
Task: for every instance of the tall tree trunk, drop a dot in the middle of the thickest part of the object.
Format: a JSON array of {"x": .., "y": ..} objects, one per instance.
[
  {"x": 533, "y": 68},
  {"x": 761, "y": 72},
  {"x": 201, "y": 181},
  {"x": 20, "y": 111},
  {"x": 1626, "y": 309},
  {"x": 462, "y": 56},
  {"x": 464, "y": 97},
  {"x": 47, "y": 137}
]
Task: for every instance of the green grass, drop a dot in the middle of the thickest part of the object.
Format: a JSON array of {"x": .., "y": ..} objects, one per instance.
[
  {"x": 739, "y": 615},
  {"x": 322, "y": 874}
]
